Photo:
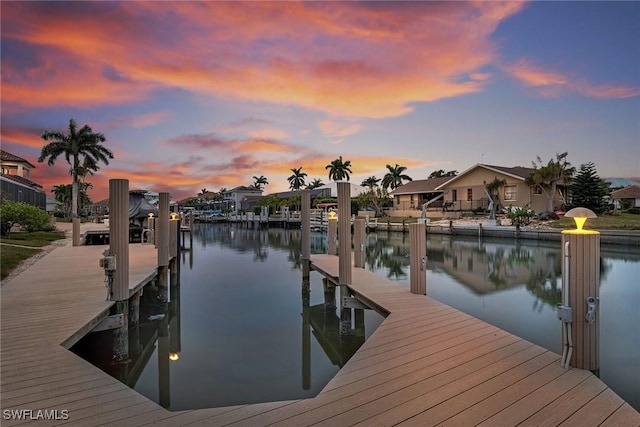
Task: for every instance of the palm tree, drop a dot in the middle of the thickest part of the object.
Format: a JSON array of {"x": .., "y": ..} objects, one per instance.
[
  {"x": 81, "y": 148},
  {"x": 62, "y": 193},
  {"x": 296, "y": 181},
  {"x": 204, "y": 191},
  {"x": 371, "y": 182},
  {"x": 492, "y": 189},
  {"x": 393, "y": 179},
  {"x": 316, "y": 183},
  {"x": 339, "y": 169},
  {"x": 260, "y": 181}
]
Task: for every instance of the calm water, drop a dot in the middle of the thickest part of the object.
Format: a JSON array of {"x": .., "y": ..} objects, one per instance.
[{"x": 244, "y": 332}]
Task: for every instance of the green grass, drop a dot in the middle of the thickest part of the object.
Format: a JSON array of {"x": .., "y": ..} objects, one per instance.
[
  {"x": 37, "y": 239},
  {"x": 11, "y": 256},
  {"x": 623, "y": 221}
]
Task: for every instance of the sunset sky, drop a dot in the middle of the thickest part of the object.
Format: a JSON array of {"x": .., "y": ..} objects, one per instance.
[{"x": 194, "y": 95}]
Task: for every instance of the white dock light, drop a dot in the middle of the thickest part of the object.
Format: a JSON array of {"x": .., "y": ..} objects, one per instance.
[{"x": 580, "y": 216}]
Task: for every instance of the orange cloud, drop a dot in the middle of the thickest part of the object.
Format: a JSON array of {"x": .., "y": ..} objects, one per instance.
[
  {"x": 334, "y": 129},
  {"x": 553, "y": 83},
  {"x": 27, "y": 137},
  {"x": 267, "y": 133},
  {"x": 264, "y": 145},
  {"x": 391, "y": 55}
]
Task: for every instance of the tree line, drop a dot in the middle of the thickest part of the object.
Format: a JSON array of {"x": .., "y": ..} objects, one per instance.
[{"x": 84, "y": 151}]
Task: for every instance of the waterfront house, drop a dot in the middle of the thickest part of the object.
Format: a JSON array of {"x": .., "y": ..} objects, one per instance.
[
  {"x": 466, "y": 191},
  {"x": 409, "y": 199},
  {"x": 626, "y": 197},
  {"x": 16, "y": 181},
  {"x": 236, "y": 194},
  {"x": 453, "y": 196}
]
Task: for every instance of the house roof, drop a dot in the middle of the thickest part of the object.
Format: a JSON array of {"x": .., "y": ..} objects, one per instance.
[
  {"x": 21, "y": 180},
  {"x": 630, "y": 192},
  {"x": 289, "y": 194},
  {"x": 421, "y": 186},
  {"x": 244, "y": 188},
  {"x": 517, "y": 172},
  {"x": 8, "y": 157}
]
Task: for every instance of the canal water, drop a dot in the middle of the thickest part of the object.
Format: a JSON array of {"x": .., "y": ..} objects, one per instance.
[{"x": 240, "y": 330}]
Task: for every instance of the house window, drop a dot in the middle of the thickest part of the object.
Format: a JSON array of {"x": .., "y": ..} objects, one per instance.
[
  {"x": 510, "y": 193},
  {"x": 412, "y": 203},
  {"x": 537, "y": 190},
  {"x": 454, "y": 195},
  {"x": 469, "y": 195}
]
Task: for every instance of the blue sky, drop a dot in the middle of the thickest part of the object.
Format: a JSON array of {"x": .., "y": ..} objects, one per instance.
[{"x": 194, "y": 95}]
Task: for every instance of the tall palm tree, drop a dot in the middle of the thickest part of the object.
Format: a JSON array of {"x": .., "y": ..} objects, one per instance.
[
  {"x": 316, "y": 183},
  {"x": 260, "y": 181},
  {"x": 82, "y": 148},
  {"x": 204, "y": 191},
  {"x": 296, "y": 181},
  {"x": 339, "y": 170},
  {"x": 393, "y": 179},
  {"x": 371, "y": 182}
]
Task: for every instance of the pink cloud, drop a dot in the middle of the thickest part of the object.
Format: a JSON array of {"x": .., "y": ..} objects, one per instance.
[
  {"x": 550, "y": 83},
  {"x": 268, "y": 133},
  {"x": 390, "y": 55}
]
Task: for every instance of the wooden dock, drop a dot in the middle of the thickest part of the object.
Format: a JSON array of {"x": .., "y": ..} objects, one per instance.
[{"x": 426, "y": 364}]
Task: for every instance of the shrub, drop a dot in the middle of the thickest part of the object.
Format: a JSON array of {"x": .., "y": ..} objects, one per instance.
[
  {"x": 29, "y": 217},
  {"x": 635, "y": 211},
  {"x": 519, "y": 216}
]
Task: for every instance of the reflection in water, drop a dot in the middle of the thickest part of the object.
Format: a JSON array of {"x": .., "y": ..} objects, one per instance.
[
  {"x": 230, "y": 332},
  {"x": 516, "y": 286},
  {"x": 246, "y": 328}
]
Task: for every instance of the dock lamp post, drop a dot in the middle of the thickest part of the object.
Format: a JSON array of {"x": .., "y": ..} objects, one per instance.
[{"x": 580, "y": 293}]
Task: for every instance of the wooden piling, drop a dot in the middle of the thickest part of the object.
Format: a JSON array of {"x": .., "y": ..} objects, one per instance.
[
  {"x": 345, "y": 312},
  {"x": 119, "y": 237},
  {"x": 344, "y": 233},
  {"x": 583, "y": 281},
  {"x": 134, "y": 309},
  {"x": 418, "y": 258},
  {"x": 162, "y": 226},
  {"x": 329, "y": 295},
  {"x": 75, "y": 231},
  {"x": 306, "y": 224},
  {"x": 306, "y": 326},
  {"x": 359, "y": 236},
  {"x": 120, "y": 336}
]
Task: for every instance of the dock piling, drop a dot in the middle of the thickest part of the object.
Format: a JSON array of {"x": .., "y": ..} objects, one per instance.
[
  {"x": 306, "y": 224},
  {"x": 162, "y": 226},
  {"x": 418, "y": 258},
  {"x": 580, "y": 282}
]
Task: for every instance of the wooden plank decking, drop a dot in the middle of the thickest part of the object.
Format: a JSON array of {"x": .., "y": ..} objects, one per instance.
[{"x": 426, "y": 364}]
